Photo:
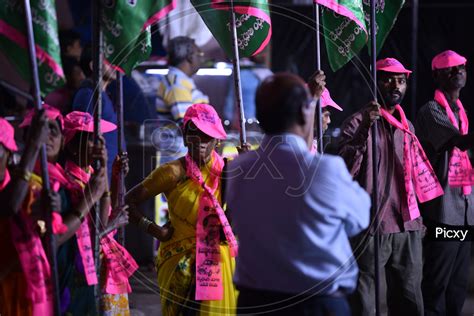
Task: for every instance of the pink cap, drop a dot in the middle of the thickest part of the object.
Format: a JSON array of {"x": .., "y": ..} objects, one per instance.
[
  {"x": 7, "y": 136},
  {"x": 447, "y": 59},
  {"x": 391, "y": 65},
  {"x": 206, "y": 120},
  {"x": 77, "y": 121},
  {"x": 51, "y": 112},
  {"x": 326, "y": 100}
]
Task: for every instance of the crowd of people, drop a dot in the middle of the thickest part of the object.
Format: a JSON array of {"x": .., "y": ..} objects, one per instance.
[{"x": 280, "y": 230}]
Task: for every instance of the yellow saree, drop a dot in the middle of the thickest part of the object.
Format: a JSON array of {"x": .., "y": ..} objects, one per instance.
[{"x": 175, "y": 262}]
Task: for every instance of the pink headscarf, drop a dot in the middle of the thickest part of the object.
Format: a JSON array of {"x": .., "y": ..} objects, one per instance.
[{"x": 7, "y": 137}]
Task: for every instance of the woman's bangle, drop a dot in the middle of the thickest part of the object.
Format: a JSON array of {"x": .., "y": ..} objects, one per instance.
[
  {"x": 106, "y": 195},
  {"x": 144, "y": 223},
  {"x": 23, "y": 174},
  {"x": 79, "y": 215}
]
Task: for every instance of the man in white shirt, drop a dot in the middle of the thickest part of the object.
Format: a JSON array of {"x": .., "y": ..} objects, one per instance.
[{"x": 293, "y": 211}]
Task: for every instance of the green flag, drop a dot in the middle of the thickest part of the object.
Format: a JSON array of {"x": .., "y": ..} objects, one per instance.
[
  {"x": 14, "y": 43},
  {"x": 345, "y": 24},
  {"x": 126, "y": 28},
  {"x": 253, "y": 24}
]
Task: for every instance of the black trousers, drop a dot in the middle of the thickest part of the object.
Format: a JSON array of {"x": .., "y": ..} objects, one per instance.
[
  {"x": 445, "y": 276},
  {"x": 400, "y": 258},
  {"x": 252, "y": 302}
]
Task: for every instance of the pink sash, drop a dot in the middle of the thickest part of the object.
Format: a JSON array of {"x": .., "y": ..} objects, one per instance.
[
  {"x": 460, "y": 173},
  {"x": 420, "y": 178},
  {"x": 83, "y": 235},
  {"x": 210, "y": 219},
  {"x": 35, "y": 265},
  {"x": 119, "y": 265},
  {"x": 33, "y": 260}
]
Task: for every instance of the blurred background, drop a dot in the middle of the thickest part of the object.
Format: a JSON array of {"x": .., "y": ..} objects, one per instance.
[{"x": 424, "y": 28}]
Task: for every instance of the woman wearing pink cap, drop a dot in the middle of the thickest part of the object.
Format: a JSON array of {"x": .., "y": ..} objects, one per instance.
[
  {"x": 28, "y": 227},
  {"x": 195, "y": 265},
  {"x": 13, "y": 188},
  {"x": 79, "y": 153},
  {"x": 326, "y": 103}
]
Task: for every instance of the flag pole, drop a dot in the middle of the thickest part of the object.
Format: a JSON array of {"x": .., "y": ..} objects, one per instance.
[
  {"x": 236, "y": 73},
  {"x": 319, "y": 114},
  {"x": 11, "y": 88},
  {"x": 121, "y": 180},
  {"x": 43, "y": 158},
  {"x": 97, "y": 101},
  {"x": 414, "y": 55},
  {"x": 375, "y": 202}
]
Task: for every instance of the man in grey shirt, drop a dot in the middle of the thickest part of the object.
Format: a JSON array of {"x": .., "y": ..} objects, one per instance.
[
  {"x": 293, "y": 211},
  {"x": 439, "y": 127}
]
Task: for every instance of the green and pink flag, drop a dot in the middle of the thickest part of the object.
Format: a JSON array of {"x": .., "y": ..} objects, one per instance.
[
  {"x": 126, "y": 28},
  {"x": 346, "y": 24},
  {"x": 14, "y": 44},
  {"x": 254, "y": 27}
]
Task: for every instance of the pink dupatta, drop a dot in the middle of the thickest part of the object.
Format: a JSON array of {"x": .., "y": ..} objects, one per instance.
[
  {"x": 420, "y": 179},
  {"x": 119, "y": 264},
  {"x": 208, "y": 269},
  {"x": 33, "y": 259},
  {"x": 460, "y": 173}
]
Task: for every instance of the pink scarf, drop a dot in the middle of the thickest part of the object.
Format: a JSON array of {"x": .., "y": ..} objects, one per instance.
[
  {"x": 420, "y": 179},
  {"x": 33, "y": 260},
  {"x": 119, "y": 264},
  {"x": 34, "y": 263},
  {"x": 83, "y": 235},
  {"x": 208, "y": 270},
  {"x": 460, "y": 169}
]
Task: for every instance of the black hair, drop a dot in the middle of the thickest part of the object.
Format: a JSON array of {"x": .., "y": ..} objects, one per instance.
[
  {"x": 67, "y": 38},
  {"x": 179, "y": 49},
  {"x": 86, "y": 58},
  {"x": 68, "y": 65},
  {"x": 279, "y": 102}
]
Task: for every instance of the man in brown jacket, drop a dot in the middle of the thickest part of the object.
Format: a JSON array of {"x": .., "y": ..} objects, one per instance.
[{"x": 400, "y": 252}]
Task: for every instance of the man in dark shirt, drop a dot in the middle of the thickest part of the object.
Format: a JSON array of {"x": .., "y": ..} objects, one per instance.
[
  {"x": 442, "y": 127},
  {"x": 400, "y": 252},
  {"x": 83, "y": 101}
]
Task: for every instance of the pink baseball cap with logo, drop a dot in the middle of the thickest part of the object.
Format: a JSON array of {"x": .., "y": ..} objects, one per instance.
[
  {"x": 391, "y": 65},
  {"x": 447, "y": 59},
  {"x": 326, "y": 100},
  {"x": 7, "y": 137},
  {"x": 51, "y": 113},
  {"x": 206, "y": 119},
  {"x": 77, "y": 121}
]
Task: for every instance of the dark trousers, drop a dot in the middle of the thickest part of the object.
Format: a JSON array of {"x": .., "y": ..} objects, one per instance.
[
  {"x": 252, "y": 302},
  {"x": 400, "y": 259},
  {"x": 445, "y": 276}
]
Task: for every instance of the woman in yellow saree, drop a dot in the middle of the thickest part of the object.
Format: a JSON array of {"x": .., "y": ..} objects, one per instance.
[{"x": 192, "y": 284}]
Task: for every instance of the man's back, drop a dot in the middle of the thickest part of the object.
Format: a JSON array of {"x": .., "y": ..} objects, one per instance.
[{"x": 293, "y": 213}]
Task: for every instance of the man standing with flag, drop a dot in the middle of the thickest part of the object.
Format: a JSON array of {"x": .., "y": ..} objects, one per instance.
[
  {"x": 176, "y": 93},
  {"x": 401, "y": 160},
  {"x": 443, "y": 126},
  {"x": 177, "y": 90}
]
